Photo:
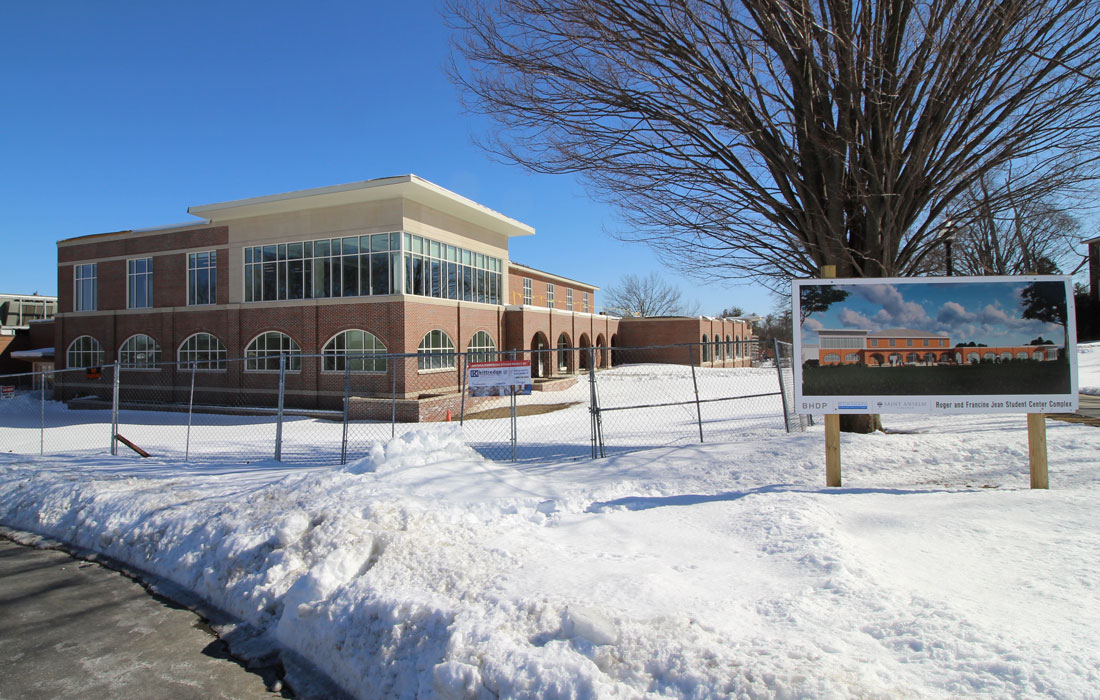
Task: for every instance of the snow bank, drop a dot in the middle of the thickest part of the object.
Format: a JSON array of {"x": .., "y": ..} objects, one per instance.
[{"x": 425, "y": 571}]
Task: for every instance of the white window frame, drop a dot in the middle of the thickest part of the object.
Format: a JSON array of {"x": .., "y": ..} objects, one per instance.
[
  {"x": 132, "y": 278},
  {"x": 481, "y": 348},
  {"x": 127, "y": 355},
  {"x": 584, "y": 299},
  {"x": 86, "y": 273},
  {"x": 435, "y": 356},
  {"x": 219, "y": 354},
  {"x": 94, "y": 351},
  {"x": 569, "y": 299},
  {"x": 549, "y": 295},
  {"x": 527, "y": 295},
  {"x": 334, "y": 354},
  {"x": 266, "y": 359}
]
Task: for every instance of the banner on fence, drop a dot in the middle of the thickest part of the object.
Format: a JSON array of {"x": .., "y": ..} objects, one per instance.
[
  {"x": 499, "y": 378},
  {"x": 935, "y": 345},
  {"x": 7, "y": 392}
]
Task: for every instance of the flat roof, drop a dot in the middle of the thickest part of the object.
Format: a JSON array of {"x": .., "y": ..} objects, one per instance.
[
  {"x": 410, "y": 187},
  {"x": 513, "y": 263},
  {"x": 906, "y": 333}
]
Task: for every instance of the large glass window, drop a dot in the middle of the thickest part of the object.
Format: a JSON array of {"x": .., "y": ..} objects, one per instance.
[
  {"x": 363, "y": 350},
  {"x": 444, "y": 271},
  {"x": 139, "y": 351},
  {"x": 85, "y": 289},
  {"x": 350, "y": 266},
  {"x": 202, "y": 278},
  {"x": 706, "y": 349},
  {"x": 436, "y": 351},
  {"x": 482, "y": 348},
  {"x": 527, "y": 296},
  {"x": 263, "y": 353},
  {"x": 584, "y": 301},
  {"x": 139, "y": 283},
  {"x": 202, "y": 351},
  {"x": 569, "y": 299},
  {"x": 550, "y": 295},
  {"x": 85, "y": 351}
]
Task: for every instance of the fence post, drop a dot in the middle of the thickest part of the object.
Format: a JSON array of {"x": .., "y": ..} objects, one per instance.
[
  {"x": 279, "y": 424},
  {"x": 593, "y": 404},
  {"x": 695, "y": 383},
  {"x": 42, "y": 404},
  {"x": 114, "y": 411},
  {"x": 190, "y": 412},
  {"x": 393, "y": 401},
  {"x": 462, "y": 405},
  {"x": 782, "y": 387},
  {"x": 347, "y": 405}
]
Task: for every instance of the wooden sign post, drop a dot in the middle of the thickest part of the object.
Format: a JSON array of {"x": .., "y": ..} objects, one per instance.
[
  {"x": 832, "y": 420},
  {"x": 1037, "y": 449}
]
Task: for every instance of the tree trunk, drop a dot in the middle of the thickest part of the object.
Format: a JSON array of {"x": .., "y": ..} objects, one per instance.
[{"x": 860, "y": 423}]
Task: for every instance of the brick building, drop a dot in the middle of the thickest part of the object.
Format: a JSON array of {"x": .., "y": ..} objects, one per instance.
[
  {"x": 904, "y": 346},
  {"x": 348, "y": 272}
]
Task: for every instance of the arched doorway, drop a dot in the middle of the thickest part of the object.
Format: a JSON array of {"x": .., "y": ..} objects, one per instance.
[
  {"x": 615, "y": 359},
  {"x": 584, "y": 344},
  {"x": 601, "y": 352},
  {"x": 540, "y": 356},
  {"x": 565, "y": 354}
]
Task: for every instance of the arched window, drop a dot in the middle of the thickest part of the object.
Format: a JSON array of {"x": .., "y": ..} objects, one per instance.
[
  {"x": 852, "y": 357},
  {"x": 972, "y": 357},
  {"x": 85, "y": 351},
  {"x": 436, "y": 351},
  {"x": 717, "y": 347},
  {"x": 832, "y": 357},
  {"x": 481, "y": 348},
  {"x": 729, "y": 347},
  {"x": 1039, "y": 355},
  {"x": 912, "y": 358},
  {"x": 361, "y": 350},
  {"x": 263, "y": 353},
  {"x": 706, "y": 348},
  {"x": 1021, "y": 355},
  {"x": 989, "y": 355},
  {"x": 202, "y": 351},
  {"x": 139, "y": 351},
  {"x": 564, "y": 354}
]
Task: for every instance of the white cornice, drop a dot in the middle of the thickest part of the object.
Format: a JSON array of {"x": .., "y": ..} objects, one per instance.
[{"x": 409, "y": 187}]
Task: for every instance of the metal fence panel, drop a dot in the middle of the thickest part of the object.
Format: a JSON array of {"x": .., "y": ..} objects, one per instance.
[{"x": 330, "y": 409}]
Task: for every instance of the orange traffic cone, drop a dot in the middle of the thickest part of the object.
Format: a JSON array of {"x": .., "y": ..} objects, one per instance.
[{"x": 448, "y": 415}]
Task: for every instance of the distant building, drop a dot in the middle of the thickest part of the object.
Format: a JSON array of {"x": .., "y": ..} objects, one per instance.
[
  {"x": 26, "y": 332},
  {"x": 903, "y": 346}
]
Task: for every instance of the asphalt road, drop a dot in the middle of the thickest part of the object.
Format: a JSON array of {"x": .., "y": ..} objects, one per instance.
[{"x": 74, "y": 629}]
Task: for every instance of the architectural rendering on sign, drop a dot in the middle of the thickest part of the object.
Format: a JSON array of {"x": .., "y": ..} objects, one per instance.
[
  {"x": 982, "y": 344},
  {"x": 336, "y": 278}
]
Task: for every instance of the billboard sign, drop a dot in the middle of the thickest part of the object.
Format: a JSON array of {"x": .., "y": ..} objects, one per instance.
[
  {"x": 935, "y": 345},
  {"x": 499, "y": 378}
]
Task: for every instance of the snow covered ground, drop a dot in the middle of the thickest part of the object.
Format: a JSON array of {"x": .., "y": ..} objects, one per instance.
[{"x": 424, "y": 570}]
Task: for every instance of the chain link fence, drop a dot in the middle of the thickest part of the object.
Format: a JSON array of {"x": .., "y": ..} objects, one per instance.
[{"x": 331, "y": 409}]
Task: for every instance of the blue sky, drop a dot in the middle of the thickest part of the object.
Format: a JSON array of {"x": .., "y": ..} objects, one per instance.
[
  {"x": 982, "y": 312},
  {"x": 120, "y": 115}
]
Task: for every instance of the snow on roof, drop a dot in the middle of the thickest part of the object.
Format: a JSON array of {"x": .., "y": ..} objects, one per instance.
[{"x": 39, "y": 354}]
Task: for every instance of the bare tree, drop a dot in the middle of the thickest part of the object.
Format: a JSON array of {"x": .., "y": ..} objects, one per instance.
[
  {"x": 646, "y": 296},
  {"x": 1023, "y": 236},
  {"x": 762, "y": 139}
]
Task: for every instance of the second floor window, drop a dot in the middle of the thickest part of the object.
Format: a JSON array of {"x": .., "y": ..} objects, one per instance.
[
  {"x": 139, "y": 283},
  {"x": 527, "y": 291},
  {"x": 550, "y": 295},
  {"x": 584, "y": 301},
  {"x": 202, "y": 278},
  {"x": 84, "y": 287}
]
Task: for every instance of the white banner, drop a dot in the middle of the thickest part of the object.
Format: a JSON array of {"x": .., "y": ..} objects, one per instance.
[{"x": 498, "y": 378}]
